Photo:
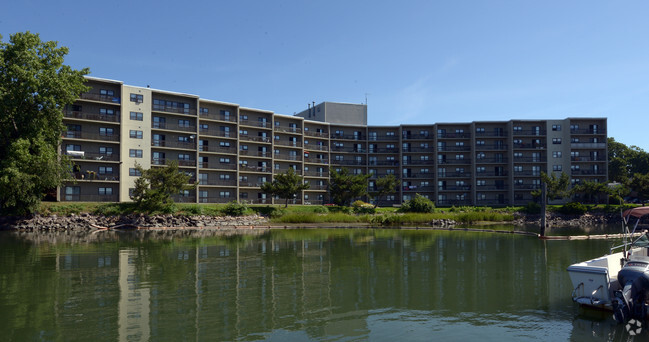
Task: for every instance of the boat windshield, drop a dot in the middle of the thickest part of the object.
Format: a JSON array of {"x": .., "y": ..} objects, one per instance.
[{"x": 642, "y": 241}]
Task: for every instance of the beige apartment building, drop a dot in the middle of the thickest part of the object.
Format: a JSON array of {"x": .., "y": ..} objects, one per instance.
[{"x": 231, "y": 150}]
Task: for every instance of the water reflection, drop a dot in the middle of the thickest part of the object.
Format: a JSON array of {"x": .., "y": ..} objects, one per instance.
[{"x": 295, "y": 284}]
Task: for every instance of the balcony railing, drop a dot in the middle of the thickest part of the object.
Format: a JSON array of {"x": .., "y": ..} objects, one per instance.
[
  {"x": 530, "y": 159},
  {"x": 288, "y": 143},
  {"x": 90, "y": 136},
  {"x": 163, "y": 161},
  {"x": 248, "y": 153},
  {"x": 283, "y": 156},
  {"x": 527, "y": 173},
  {"x": 284, "y": 170},
  {"x": 348, "y": 136},
  {"x": 217, "y": 149},
  {"x": 173, "y": 144},
  {"x": 383, "y": 138},
  {"x": 348, "y": 149},
  {"x": 89, "y": 198},
  {"x": 491, "y": 147},
  {"x": 491, "y": 160},
  {"x": 453, "y": 161},
  {"x": 263, "y": 201},
  {"x": 449, "y": 202},
  {"x": 491, "y": 174},
  {"x": 452, "y": 149},
  {"x": 588, "y": 145},
  {"x": 454, "y": 175},
  {"x": 262, "y": 124},
  {"x": 348, "y": 162},
  {"x": 213, "y": 199},
  {"x": 184, "y": 199},
  {"x": 316, "y": 160},
  {"x": 455, "y": 188},
  {"x": 587, "y": 172},
  {"x": 250, "y": 184},
  {"x": 587, "y": 159},
  {"x": 100, "y": 97},
  {"x": 415, "y": 188},
  {"x": 529, "y": 146},
  {"x": 218, "y": 166},
  {"x": 588, "y": 131},
  {"x": 419, "y": 175},
  {"x": 324, "y": 135},
  {"x": 251, "y": 168},
  {"x": 316, "y": 147},
  {"x": 316, "y": 174},
  {"x": 491, "y": 134},
  {"x": 417, "y": 136},
  {"x": 317, "y": 187},
  {"x": 92, "y": 156},
  {"x": 92, "y": 116},
  {"x": 454, "y": 135},
  {"x": 383, "y": 163},
  {"x": 287, "y": 129},
  {"x": 220, "y": 117},
  {"x": 529, "y": 132},
  {"x": 217, "y": 182},
  {"x": 384, "y": 150},
  {"x": 171, "y": 109},
  {"x": 491, "y": 187},
  {"x": 526, "y": 186},
  {"x": 174, "y": 127},
  {"x": 255, "y": 139},
  {"x": 216, "y": 133}
]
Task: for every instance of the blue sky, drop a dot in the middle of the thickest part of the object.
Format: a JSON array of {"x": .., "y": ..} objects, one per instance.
[{"x": 416, "y": 61}]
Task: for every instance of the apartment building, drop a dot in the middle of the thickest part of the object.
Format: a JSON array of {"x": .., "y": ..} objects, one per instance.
[{"x": 231, "y": 150}]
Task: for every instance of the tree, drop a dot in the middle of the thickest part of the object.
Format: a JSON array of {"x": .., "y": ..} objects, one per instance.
[
  {"x": 557, "y": 187},
  {"x": 640, "y": 185},
  {"x": 384, "y": 186},
  {"x": 624, "y": 161},
  {"x": 35, "y": 86},
  {"x": 155, "y": 186},
  {"x": 344, "y": 187},
  {"x": 592, "y": 190},
  {"x": 286, "y": 185}
]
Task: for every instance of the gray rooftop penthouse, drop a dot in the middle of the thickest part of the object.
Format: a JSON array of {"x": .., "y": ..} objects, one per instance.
[{"x": 231, "y": 150}]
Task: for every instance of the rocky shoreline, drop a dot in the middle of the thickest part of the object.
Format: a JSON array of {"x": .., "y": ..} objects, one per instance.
[{"x": 88, "y": 222}]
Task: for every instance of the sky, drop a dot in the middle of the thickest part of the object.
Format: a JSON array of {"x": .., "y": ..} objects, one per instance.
[{"x": 411, "y": 61}]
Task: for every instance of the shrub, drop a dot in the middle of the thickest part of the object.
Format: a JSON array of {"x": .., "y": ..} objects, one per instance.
[
  {"x": 340, "y": 209},
  {"x": 573, "y": 208},
  {"x": 277, "y": 212},
  {"x": 361, "y": 207},
  {"x": 419, "y": 204},
  {"x": 235, "y": 208},
  {"x": 194, "y": 209},
  {"x": 320, "y": 210},
  {"x": 532, "y": 208}
]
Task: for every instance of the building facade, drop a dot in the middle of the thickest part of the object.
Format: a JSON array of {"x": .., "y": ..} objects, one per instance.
[{"x": 231, "y": 150}]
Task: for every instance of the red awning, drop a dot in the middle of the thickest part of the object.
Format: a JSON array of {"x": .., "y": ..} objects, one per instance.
[{"x": 636, "y": 212}]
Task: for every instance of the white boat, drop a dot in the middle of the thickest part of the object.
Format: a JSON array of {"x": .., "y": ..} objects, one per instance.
[{"x": 618, "y": 281}]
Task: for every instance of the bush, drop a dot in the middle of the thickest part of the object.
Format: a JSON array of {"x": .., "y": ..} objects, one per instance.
[
  {"x": 234, "y": 208},
  {"x": 320, "y": 210},
  {"x": 340, "y": 209},
  {"x": 419, "y": 204},
  {"x": 361, "y": 207},
  {"x": 532, "y": 208},
  {"x": 573, "y": 208}
]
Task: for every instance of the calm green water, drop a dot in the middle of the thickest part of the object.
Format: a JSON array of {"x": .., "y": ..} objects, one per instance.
[{"x": 382, "y": 285}]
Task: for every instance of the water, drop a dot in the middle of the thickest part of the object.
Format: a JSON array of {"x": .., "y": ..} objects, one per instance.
[{"x": 349, "y": 285}]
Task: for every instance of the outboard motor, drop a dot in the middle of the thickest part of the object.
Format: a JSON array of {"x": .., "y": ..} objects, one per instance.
[{"x": 630, "y": 301}]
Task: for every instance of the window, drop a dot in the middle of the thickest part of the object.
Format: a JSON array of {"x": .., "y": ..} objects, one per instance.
[
  {"x": 224, "y": 194},
  {"x": 389, "y": 158},
  {"x": 70, "y": 147},
  {"x": 107, "y": 151},
  {"x": 105, "y": 191},
  {"x": 518, "y": 141},
  {"x": 459, "y": 143},
  {"x": 224, "y": 177},
  {"x": 106, "y": 92},
  {"x": 133, "y": 153},
  {"x": 105, "y": 111},
  {"x": 107, "y": 132},
  {"x": 203, "y": 110},
  {"x": 425, "y": 157},
  {"x": 137, "y": 98},
  {"x": 574, "y": 128},
  {"x": 518, "y": 129},
  {"x": 137, "y": 116},
  {"x": 518, "y": 168},
  {"x": 390, "y": 146},
  {"x": 459, "y": 156},
  {"x": 518, "y": 155},
  {"x": 480, "y": 155},
  {"x": 183, "y": 156},
  {"x": 72, "y": 193},
  {"x": 556, "y": 140},
  {"x": 479, "y": 142},
  {"x": 183, "y": 139},
  {"x": 103, "y": 170},
  {"x": 244, "y": 117},
  {"x": 171, "y": 106},
  {"x": 135, "y": 134},
  {"x": 183, "y": 123},
  {"x": 481, "y": 182},
  {"x": 480, "y": 169},
  {"x": 224, "y": 144},
  {"x": 556, "y": 127},
  {"x": 556, "y": 167},
  {"x": 134, "y": 172},
  {"x": 479, "y": 129},
  {"x": 556, "y": 154},
  {"x": 223, "y": 160},
  {"x": 389, "y": 134},
  {"x": 424, "y": 171}
]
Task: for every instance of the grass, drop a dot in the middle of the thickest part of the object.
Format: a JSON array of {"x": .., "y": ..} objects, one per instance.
[{"x": 320, "y": 218}]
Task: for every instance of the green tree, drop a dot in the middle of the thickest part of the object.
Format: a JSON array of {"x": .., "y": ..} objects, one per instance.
[
  {"x": 344, "y": 187},
  {"x": 592, "y": 190},
  {"x": 625, "y": 161},
  {"x": 155, "y": 186},
  {"x": 640, "y": 185},
  {"x": 557, "y": 187},
  {"x": 384, "y": 186},
  {"x": 35, "y": 86},
  {"x": 285, "y": 185}
]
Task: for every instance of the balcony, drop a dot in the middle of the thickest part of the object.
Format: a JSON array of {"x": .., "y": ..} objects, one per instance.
[
  {"x": 384, "y": 150},
  {"x": 491, "y": 160},
  {"x": 587, "y": 172},
  {"x": 383, "y": 163},
  {"x": 383, "y": 138},
  {"x": 90, "y": 136},
  {"x": 88, "y": 175},
  {"x": 419, "y": 175},
  {"x": 219, "y": 117},
  {"x": 416, "y": 188},
  {"x": 173, "y": 127},
  {"x": 588, "y": 145},
  {"x": 530, "y": 159},
  {"x": 527, "y": 173},
  {"x": 263, "y": 154},
  {"x": 448, "y": 203},
  {"x": 100, "y": 97},
  {"x": 173, "y": 144},
  {"x": 316, "y": 174},
  {"x": 453, "y": 135},
  {"x": 254, "y": 139},
  {"x": 348, "y": 136},
  {"x": 285, "y": 170},
  {"x": 529, "y": 132},
  {"x": 491, "y": 188},
  {"x": 262, "y": 124},
  {"x": 217, "y": 182},
  {"x": 526, "y": 186},
  {"x": 316, "y": 160},
  {"x": 491, "y": 147},
  {"x": 216, "y": 133},
  {"x": 588, "y": 131},
  {"x": 323, "y": 135},
  {"x": 455, "y": 188},
  {"x": 250, "y": 184},
  {"x": 217, "y": 149},
  {"x": 531, "y": 146},
  {"x": 348, "y": 149},
  {"x": 172, "y": 109},
  {"x": 491, "y": 174},
  {"x": 452, "y": 161},
  {"x": 89, "y": 198},
  {"x": 251, "y": 168},
  {"x": 92, "y": 116},
  {"x": 315, "y": 187},
  {"x": 213, "y": 199},
  {"x": 282, "y": 156},
  {"x": 288, "y": 143},
  {"x": 218, "y": 166},
  {"x": 92, "y": 156},
  {"x": 181, "y": 163},
  {"x": 287, "y": 129},
  {"x": 454, "y": 175},
  {"x": 417, "y": 137},
  {"x": 184, "y": 199},
  {"x": 587, "y": 159},
  {"x": 349, "y": 162},
  {"x": 491, "y": 134},
  {"x": 316, "y": 147},
  {"x": 451, "y": 149}
]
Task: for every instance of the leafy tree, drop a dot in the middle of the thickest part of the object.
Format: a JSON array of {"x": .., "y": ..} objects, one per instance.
[
  {"x": 419, "y": 204},
  {"x": 640, "y": 184},
  {"x": 592, "y": 190},
  {"x": 384, "y": 186},
  {"x": 344, "y": 187},
  {"x": 557, "y": 187},
  {"x": 153, "y": 190},
  {"x": 35, "y": 86},
  {"x": 286, "y": 185},
  {"x": 624, "y": 161}
]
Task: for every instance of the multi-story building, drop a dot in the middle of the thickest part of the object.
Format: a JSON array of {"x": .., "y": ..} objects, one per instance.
[{"x": 231, "y": 150}]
